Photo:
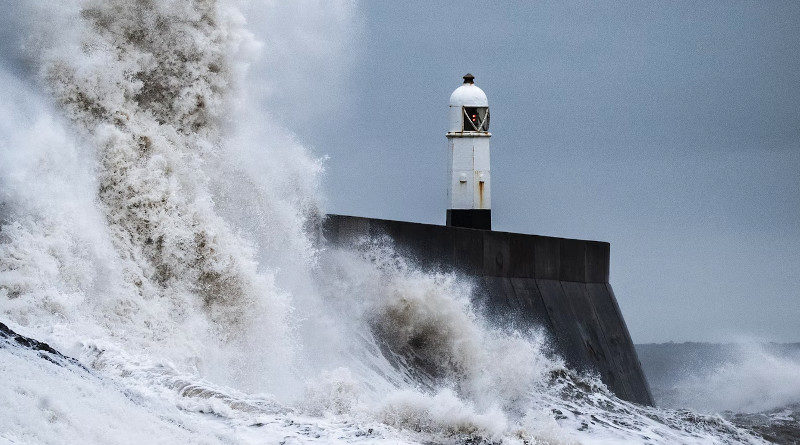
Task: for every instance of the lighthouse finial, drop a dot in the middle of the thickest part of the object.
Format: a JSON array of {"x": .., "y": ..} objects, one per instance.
[{"x": 469, "y": 78}]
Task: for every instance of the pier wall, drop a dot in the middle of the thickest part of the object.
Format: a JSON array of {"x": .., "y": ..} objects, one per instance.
[{"x": 559, "y": 284}]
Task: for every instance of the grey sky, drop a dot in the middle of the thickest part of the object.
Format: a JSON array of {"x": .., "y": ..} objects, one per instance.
[{"x": 670, "y": 129}]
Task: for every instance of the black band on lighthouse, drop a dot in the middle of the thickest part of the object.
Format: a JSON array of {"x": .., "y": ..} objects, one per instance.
[{"x": 470, "y": 218}]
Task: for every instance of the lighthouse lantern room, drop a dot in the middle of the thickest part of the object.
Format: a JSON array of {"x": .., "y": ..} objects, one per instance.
[{"x": 469, "y": 192}]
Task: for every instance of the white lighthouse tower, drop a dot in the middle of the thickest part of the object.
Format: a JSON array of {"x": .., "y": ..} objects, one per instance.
[{"x": 468, "y": 166}]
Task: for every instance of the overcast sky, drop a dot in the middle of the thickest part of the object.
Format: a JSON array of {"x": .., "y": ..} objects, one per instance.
[{"x": 669, "y": 129}]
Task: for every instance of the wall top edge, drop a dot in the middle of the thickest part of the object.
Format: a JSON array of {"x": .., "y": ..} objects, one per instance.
[{"x": 466, "y": 229}]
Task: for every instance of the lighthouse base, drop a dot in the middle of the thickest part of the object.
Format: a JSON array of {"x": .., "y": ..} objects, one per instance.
[{"x": 470, "y": 218}]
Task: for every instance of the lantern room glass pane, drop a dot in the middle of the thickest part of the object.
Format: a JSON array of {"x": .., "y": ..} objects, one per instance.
[{"x": 476, "y": 119}]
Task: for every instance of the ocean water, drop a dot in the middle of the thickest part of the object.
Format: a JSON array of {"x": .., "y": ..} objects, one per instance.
[
  {"x": 753, "y": 384},
  {"x": 157, "y": 229}
]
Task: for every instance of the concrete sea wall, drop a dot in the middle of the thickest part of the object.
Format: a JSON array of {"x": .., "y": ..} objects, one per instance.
[{"x": 559, "y": 284}]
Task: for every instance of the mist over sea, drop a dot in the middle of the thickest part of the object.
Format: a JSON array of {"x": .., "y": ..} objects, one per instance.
[
  {"x": 756, "y": 385},
  {"x": 158, "y": 229}
]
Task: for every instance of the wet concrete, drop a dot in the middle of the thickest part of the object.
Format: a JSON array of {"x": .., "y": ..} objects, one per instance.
[{"x": 559, "y": 284}]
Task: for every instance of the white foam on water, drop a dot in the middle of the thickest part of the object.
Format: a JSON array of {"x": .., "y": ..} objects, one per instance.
[
  {"x": 158, "y": 225},
  {"x": 753, "y": 379}
]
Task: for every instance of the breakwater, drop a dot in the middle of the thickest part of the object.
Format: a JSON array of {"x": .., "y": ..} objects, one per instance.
[{"x": 559, "y": 284}]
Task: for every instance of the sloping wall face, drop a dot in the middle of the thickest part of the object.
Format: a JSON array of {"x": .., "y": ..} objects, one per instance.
[{"x": 527, "y": 280}]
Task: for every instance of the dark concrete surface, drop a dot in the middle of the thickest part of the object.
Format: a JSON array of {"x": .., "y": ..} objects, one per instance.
[
  {"x": 558, "y": 284},
  {"x": 470, "y": 218}
]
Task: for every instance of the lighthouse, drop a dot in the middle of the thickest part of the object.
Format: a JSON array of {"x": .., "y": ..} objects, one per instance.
[
  {"x": 565, "y": 291},
  {"x": 469, "y": 192}
]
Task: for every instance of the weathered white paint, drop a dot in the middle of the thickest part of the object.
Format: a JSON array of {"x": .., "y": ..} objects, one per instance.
[{"x": 468, "y": 158}]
